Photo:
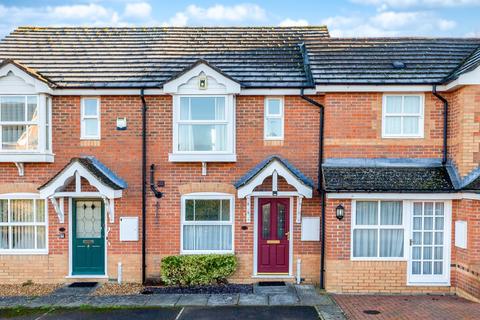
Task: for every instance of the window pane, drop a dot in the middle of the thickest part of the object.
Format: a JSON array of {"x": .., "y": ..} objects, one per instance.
[
  {"x": 411, "y": 104},
  {"x": 32, "y": 137},
  {"x": 41, "y": 238},
  {"x": 3, "y": 210},
  {"x": 391, "y": 243},
  {"x": 417, "y": 238},
  {"x": 417, "y": 253},
  {"x": 416, "y": 266},
  {"x": 23, "y": 237},
  {"x": 273, "y": 107},
  {"x": 3, "y": 237},
  {"x": 225, "y": 210},
  {"x": 427, "y": 238},
  {"x": 367, "y": 213},
  {"x": 14, "y": 138},
  {"x": 21, "y": 210},
  {"x": 438, "y": 253},
  {"x": 90, "y": 107},
  {"x": 417, "y": 223},
  {"x": 438, "y": 267},
  {"x": 205, "y": 108},
  {"x": 417, "y": 209},
  {"x": 189, "y": 216},
  {"x": 280, "y": 221},
  {"x": 427, "y": 267},
  {"x": 428, "y": 223},
  {"x": 410, "y": 125},
  {"x": 439, "y": 208},
  {"x": 439, "y": 223},
  {"x": 40, "y": 210},
  {"x": 428, "y": 208},
  {"x": 391, "y": 213},
  {"x": 91, "y": 127},
  {"x": 184, "y": 108},
  {"x": 394, "y": 104},
  {"x": 32, "y": 109},
  {"x": 207, "y": 237},
  {"x": 365, "y": 243},
  {"x": 266, "y": 221},
  {"x": 438, "y": 237},
  {"x": 12, "y": 109},
  {"x": 89, "y": 219},
  {"x": 274, "y": 128},
  {"x": 393, "y": 125},
  {"x": 202, "y": 138},
  {"x": 207, "y": 210},
  {"x": 427, "y": 253}
]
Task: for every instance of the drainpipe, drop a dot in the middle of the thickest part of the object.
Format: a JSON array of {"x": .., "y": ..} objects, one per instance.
[
  {"x": 144, "y": 182},
  {"x": 445, "y": 124},
  {"x": 320, "y": 184}
]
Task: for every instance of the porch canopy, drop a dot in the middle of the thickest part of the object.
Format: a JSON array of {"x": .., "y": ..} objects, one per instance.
[
  {"x": 107, "y": 184},
  {"x": 274, "y": 166}
]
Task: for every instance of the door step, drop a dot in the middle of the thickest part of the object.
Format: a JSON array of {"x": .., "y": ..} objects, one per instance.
[
  {"x": 83, "y": 284},
  {"x": 272, "y": 287}
]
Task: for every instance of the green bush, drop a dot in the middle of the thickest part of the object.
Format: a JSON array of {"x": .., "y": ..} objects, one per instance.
[{"x": 188, "y": 270}]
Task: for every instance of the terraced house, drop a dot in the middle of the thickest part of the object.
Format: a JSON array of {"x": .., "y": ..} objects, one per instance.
[{"x": 352, "y": 163}]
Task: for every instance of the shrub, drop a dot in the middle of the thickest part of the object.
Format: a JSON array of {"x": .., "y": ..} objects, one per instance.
[{"x": 189, "y": 270}]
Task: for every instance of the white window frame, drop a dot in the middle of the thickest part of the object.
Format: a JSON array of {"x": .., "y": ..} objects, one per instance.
[
  {"x": 421, "y": 120},
  {"x": 268, "y": 116},
  {"x": 34, "y": 198},
  {"x": 403, "y": 226},
  {"x": 83, "y": 135},
  {"x": 230, "y": 222},
  {"x": 204, "y": 156}
]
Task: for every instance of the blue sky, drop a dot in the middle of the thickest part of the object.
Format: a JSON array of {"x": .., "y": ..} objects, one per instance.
[{"x": 349, "y": 18}]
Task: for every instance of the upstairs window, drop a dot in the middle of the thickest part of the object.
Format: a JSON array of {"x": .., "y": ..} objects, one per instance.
[
  {"x": 403, "y": 116},
  {"x": 90, "y": 120},
  {"x": 19, "y": 123},
  {"x": 274, "y": 119}
]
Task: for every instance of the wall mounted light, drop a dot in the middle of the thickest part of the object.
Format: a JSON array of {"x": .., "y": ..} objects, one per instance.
[{"x": 340, "y": 212}]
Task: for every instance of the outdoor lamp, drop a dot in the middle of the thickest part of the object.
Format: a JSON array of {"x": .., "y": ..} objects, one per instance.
[{"x": 340, "y": 212}]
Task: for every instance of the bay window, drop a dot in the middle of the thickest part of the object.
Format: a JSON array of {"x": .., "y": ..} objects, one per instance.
[
  {"x": 23, "y": 226},
  {"x": 207, "y": 224},
  {"x": 203, "y": 128},
  {"x": 378, "y": 230}
]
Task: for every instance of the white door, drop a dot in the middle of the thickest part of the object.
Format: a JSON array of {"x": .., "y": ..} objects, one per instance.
[{"x": 429, "y": 261}]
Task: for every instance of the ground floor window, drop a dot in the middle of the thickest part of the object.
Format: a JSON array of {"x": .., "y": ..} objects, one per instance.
[
  {"x": 23, "y": 225},
  {"x": 207, "y": 223},
  {"x": 378, "y": 229}
]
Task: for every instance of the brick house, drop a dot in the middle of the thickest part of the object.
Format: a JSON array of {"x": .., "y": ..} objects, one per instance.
[{"x": 120, "y": 146}]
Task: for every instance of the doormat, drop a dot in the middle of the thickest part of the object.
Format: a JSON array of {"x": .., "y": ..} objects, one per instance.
[
  {"x": 271, "y": 283},
  {"x": 82, "y": 284}
]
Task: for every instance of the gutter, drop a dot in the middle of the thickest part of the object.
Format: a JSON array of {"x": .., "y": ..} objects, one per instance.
[
  {"x": 445, "y": 124},
  {"x": 144, "y": 182},
  {"x": 320, "y": 188}
]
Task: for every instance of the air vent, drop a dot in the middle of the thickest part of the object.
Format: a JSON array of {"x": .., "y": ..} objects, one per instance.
[{"x": 398, "y": 65}]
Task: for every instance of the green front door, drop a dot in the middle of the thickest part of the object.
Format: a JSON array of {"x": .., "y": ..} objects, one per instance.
[{"x": 88, "y": 237}]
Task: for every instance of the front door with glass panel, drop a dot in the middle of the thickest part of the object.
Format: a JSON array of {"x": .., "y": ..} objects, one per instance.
[
  {"x": 88, "y": 237},
  {"x": 428, "y": 263},
  {"x": 273, "y": 236}
]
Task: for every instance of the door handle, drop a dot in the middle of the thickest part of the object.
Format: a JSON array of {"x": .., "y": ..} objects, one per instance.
[{"x": 287, "y": 234}]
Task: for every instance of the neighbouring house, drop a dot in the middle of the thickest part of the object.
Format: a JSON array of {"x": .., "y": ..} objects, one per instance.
[{"x": 294, "y": 151}]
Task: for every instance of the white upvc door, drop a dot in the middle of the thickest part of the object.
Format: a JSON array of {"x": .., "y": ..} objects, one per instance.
[{"x": 430, "y": 234}]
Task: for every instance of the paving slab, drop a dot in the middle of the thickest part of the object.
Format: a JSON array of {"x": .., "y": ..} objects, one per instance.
[
  {"x": 73, "y": 301},
  {"x": 253, "y": 300},
  {"x": 282, "y": 299},
  {"x": 45, "y": 301},
  {"x": 223, "y": 300},
  {"x": 132, "y": 300},
  {"x": 9, "y": 302},
  {"x": 331, "y": 312},
  {"x": 193, "y": 300},
  {"x": 163, "y": 300},
  {"x": 287, "y": 288},
  {"x": 103, "y": 301},
  {"x": 68, "y": 291}
]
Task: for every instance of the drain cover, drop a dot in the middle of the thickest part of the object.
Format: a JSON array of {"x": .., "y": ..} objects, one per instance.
[
  {"x": 83, "y": 284},
  {"x": 271, "y": 283},
  {"x": 371, "y": 312}
]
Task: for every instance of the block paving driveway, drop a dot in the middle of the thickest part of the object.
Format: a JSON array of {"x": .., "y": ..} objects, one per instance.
[{"x": 421, "y": 307}]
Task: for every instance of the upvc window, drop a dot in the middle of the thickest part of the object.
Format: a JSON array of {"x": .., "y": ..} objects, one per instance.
[
  {"x": 378, "y": 229},
  {"x": 90, "y": 120},
  {"x": 403, "y": 116},
  {"x": 23, "y": 226},
  {"x": 19, "y": 123},
  {"x": 207, "y": 224},
  {"x": 274, "y": 119}
]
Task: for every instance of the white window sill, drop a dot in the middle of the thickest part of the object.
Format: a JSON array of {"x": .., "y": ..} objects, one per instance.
[
  {"x": 209, "y": 157},
  {"x": 23, "y": 252},
  {"x": 185, "y": 252},
  {"x": 429, "y": 284},
  {"x": 6, "y": 156},
  {"x": 402, "y": 137},
  {"x": 376, "y": 259}
]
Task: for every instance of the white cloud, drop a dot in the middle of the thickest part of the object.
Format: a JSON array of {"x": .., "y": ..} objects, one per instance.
[
  {"x": 138, "y": 10},
  {"x": 293, "y": 23},
  {"x": 217, "y": 14},
  {"x": 417, "y": 3},
  {"x": 445, "y": 25},
  {"x": 81, "y": 11}
]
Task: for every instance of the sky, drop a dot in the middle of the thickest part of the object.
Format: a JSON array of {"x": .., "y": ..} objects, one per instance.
[{"x": 344, "y": 18}]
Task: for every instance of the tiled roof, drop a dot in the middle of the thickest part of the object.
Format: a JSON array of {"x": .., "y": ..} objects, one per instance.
[
  {"x": 369, "y": 60},
  {"x": 470, "y": 63},
  {"x": 259, "y": 167},
  {"x": 261, "y": 57},
  {"x": 387, "y": 179}
]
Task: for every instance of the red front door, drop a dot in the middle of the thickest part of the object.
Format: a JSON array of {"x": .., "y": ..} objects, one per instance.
[{"x": 273, "y": 235}]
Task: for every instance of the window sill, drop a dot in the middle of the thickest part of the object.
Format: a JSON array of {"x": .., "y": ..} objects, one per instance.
[
  {"x": 23, "y": 252},
  {"x": 402, "y": 137},
  {"x": 26, "y": 157},
  {"x": 212, "y": 157},
  {"x": 186, "y": 252}
]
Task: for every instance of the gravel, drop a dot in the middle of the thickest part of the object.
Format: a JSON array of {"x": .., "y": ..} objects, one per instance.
[
  {"x": 211, "y": 289},
  {"x": 115, "y": 289},
  {"x": 27, "y": 289}
]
